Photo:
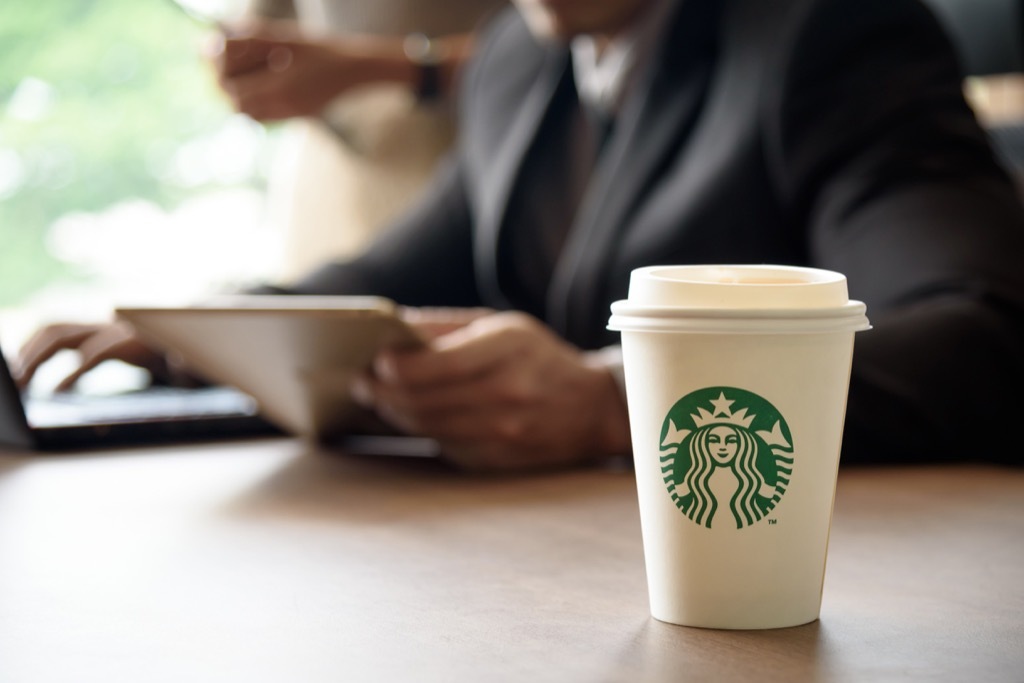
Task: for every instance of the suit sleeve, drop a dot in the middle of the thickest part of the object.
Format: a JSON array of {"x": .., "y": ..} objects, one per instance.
[
  {"x": 880, "y": 156},
  {"x": 425, "y": 259}
]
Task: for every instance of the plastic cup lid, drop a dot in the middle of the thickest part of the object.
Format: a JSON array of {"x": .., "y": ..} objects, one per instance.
[{"x": 737, "y": 299}]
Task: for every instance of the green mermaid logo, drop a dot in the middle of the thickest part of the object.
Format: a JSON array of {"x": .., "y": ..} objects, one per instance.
[{"x": 723, "y": 443}]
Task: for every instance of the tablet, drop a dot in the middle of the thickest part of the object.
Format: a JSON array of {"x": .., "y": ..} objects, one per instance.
[{"x": 295, "y": 355}]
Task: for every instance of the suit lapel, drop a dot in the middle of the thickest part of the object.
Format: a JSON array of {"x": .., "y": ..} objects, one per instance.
[
  {"x": 504, "y": 170},
  {"x": 653, "y": 121}
]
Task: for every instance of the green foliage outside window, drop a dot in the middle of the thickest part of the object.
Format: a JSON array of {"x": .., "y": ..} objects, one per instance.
[{"x": 96, "y": 100}]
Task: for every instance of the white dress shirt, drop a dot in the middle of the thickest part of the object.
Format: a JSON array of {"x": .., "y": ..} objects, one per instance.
[{"x": 603, "y": 76}]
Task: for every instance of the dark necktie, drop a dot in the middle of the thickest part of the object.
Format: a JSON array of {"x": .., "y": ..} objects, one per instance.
[
  {"x": 552, "y": 183},
  {"x": 601, "y": 124}
]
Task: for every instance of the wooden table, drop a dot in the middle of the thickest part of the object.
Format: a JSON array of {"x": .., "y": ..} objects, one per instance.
[{"x": 265, "y": 561}]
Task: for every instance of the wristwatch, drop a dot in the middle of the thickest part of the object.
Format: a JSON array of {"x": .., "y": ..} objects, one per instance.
[{"x": 425, "y": 55}]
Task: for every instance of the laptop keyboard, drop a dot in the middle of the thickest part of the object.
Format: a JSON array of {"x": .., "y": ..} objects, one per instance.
[{"x": 155, "y": 403}]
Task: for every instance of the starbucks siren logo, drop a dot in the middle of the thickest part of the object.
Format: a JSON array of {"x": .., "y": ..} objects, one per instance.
[{"x": 723, "y": 442}]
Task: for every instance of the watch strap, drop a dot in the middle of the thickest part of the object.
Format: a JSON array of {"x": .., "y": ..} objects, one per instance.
[{"x": 424, "y": 54}]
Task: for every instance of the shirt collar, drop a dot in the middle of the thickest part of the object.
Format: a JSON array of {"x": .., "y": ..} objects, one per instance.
[{"x": 601, "y": 81}]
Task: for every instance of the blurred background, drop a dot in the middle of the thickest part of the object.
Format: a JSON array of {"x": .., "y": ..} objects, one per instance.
[{"x": 124, "y": 175}]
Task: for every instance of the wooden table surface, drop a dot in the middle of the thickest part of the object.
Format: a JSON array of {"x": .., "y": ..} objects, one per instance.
[{"x": 267, "y": 561}]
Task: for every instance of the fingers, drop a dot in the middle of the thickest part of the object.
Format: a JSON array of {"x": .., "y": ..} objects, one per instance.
[
  {"x": 482, "y": 391},
  {"x": 436, "y": 322},
  {"x": 468, "y": 352},
  {"x": 282, "y": 74},
  {"x": 44, "y": 345},
  {"x": 477, "y": 438},
  {"x": 486, "y": 406},
  {"x": 247, "y": 74},
  {"x": 501, "y": 392},
  {"x": 258, "y": 94},
  {"x": 108, "y": 342},
  {"x": 95, "y": 344},
  {"x": 243, "y": 55},
  {"x": 246, "y": 46},
  {"x": 250, "y": 70},
  {"x": 275, "y": 80},
  {"x": 437, "y": 392},
  {"x": 235, "y": 55}
]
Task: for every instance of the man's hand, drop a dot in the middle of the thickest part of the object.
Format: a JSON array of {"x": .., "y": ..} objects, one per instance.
[
  {"x": 501, "y": 392},
  {"x": 271, "y": 71},
  {"x": 95, "y": 344}
]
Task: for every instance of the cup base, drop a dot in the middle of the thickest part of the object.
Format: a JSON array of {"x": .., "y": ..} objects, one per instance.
[{"x": 715, "y": 625}]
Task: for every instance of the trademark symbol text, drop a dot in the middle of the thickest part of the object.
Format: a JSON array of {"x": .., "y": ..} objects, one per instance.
[{"x": 773, "y": 521}]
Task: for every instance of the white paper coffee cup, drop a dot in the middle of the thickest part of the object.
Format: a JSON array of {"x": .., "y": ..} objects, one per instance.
[{"x": 736, "y": 380}]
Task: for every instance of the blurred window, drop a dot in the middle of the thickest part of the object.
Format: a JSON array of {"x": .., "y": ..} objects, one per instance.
[{"x": 124, "y": 176}]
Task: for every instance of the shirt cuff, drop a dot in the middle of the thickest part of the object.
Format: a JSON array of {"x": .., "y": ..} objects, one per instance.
[{"x": 610, "y": 358}]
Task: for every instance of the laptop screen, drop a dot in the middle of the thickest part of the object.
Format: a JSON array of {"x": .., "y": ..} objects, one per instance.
[{"x": 14, "y": 428}]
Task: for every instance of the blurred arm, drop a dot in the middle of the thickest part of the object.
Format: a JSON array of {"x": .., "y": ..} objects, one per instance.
[
  {"x": 425, "y": 259},
  {"x": 905, "y": 198}
]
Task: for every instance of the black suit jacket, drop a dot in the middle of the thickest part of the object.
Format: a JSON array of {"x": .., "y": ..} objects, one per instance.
[{"x": 827, "y": 133}]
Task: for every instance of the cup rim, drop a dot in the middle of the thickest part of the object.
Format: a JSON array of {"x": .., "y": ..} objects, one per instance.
[
  {"x": 850, "y": 317},
  {"x": 740, "y": 286},
  {"x": 687, "y": 273},
  {"x": 626, "y": 308}
]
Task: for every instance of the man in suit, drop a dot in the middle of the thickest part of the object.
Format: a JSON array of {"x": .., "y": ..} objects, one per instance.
[{"x": 603, "y": 135}]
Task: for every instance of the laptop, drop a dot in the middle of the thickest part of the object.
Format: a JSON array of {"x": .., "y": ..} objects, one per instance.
[
  {"x": 70, "y": 420},
  {"x": 281, "y": 365}
]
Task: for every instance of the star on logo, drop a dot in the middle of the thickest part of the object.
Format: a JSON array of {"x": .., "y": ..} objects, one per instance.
[
  {"x": 721, "y": 413},
  {"x": 722, "y": 405}
]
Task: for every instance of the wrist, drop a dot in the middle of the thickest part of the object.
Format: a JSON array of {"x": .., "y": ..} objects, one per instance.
[
  {"x": 611, "y": 433},
  {"x": 362, "y": 60},
  {"x": 427, "y": 58},
  {"x": 426, "y": 66}
]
